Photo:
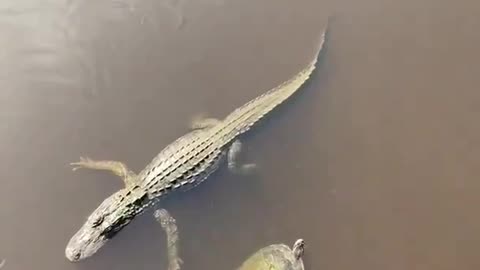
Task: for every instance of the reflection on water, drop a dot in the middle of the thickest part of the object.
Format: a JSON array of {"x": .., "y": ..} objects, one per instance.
[
  {"x": 64, "y": 43},
  {"x": 374, "y": 164}
]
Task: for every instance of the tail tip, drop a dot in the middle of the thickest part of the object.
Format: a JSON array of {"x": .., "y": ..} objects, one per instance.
[{"x": 323, "y": 36}]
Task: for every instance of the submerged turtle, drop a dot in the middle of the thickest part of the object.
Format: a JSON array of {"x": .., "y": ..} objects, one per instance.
[
  {"x": 277, "y": 257},
  {"x": 273, "y": 257}
]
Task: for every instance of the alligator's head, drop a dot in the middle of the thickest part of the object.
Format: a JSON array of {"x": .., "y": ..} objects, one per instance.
[{"x": 103, "y": 224}]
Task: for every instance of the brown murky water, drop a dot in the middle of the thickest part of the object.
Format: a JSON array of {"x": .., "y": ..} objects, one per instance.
[{"x": 375, "y": 164}]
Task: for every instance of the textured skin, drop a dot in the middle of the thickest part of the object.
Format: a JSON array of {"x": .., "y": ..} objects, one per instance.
[
  {"x": 187, "y": 160},
  {"x": 169, "y": 225},
  {"x": 273, "y": 257},
  {"x": 183, "y": 164}
]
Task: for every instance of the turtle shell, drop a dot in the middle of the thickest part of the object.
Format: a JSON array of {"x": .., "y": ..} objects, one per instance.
[{"x": 273, "y": 257}]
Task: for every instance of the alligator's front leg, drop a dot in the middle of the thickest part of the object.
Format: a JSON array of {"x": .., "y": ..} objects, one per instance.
[
  {"x": 116, "y": 167},
  {"x": 202, "y": 122},
  {"x": 170, "y": 227},
  {"x": 232, "y": 158}
]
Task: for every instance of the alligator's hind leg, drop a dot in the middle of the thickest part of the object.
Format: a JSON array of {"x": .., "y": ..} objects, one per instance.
[
  {"x": 116, "y": 167},
  {"x": 233, "y": 154},
  {"x": 169, "y": 225},
  {"x": 202, "y": 122}
]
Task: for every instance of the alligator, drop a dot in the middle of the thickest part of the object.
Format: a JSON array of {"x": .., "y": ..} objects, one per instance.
[{"x": 182, "y": 165}]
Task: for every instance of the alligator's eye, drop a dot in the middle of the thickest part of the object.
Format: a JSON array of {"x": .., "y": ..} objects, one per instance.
[{"x": 97, "y": 222}]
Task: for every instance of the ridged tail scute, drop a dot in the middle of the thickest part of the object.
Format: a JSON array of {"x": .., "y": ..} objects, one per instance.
[{"x": 245, "y": 116}]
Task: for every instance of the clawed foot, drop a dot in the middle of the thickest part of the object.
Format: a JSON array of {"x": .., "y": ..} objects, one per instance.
[
  {"x": 84, "y": 163},
  {"x": 200, "y": 121},
  {"x": 233, "y": 164},
  {"x": 115, "y": 167},
  {"x": 245, "y": 169}
]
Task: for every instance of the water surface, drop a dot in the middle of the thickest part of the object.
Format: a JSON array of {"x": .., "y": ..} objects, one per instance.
[{"x": 374, "y": 164}]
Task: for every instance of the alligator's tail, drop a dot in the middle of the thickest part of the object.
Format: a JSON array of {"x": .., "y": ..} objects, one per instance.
[{"x": 245, "y": 116}]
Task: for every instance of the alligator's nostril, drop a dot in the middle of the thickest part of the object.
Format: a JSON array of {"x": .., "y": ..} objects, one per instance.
[{"x": 73, "y": 255}]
